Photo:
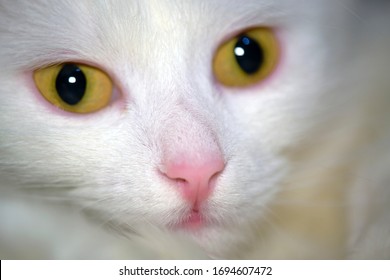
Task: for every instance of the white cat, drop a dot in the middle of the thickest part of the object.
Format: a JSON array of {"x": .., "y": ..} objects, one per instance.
[{"x": 255, "y": 129}]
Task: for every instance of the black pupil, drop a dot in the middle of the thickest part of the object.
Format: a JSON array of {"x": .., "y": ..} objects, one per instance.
[
  {"x": 71, "y": 84},
  {"x": 249, "y": 54}
]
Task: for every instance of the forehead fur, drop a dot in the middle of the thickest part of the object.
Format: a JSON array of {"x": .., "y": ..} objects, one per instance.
[{"x": 41, "y": 32}]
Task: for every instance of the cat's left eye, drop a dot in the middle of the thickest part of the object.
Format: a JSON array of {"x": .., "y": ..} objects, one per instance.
[
  {"x": 246, "y": 59},
  {"x": 76, "y": 88}
]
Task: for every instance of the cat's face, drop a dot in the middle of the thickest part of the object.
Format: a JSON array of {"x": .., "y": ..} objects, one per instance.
[{"x": 173, "y": 146}]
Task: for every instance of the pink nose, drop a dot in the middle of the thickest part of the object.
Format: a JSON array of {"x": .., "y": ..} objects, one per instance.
[{"x": 195, "y": 178}]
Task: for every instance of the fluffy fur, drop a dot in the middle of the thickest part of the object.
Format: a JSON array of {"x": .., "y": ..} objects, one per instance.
[{"x": 306, "y": 151}]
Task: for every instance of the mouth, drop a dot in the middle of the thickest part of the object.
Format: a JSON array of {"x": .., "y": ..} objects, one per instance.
[{"x": 193, "y": 221}]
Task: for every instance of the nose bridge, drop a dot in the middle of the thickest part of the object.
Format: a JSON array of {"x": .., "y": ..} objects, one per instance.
[
  {"x": 163, "y": 74},
  {"x": 191, "y": 157},
  {"x": 188, "y": 133}
]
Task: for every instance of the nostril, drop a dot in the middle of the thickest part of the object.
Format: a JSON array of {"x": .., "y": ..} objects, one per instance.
[
  {"x": 180, "y": 181},
  {"x": 214, "y": 178}
]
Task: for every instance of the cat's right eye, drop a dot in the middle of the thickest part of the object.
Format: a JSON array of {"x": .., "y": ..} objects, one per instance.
[{"x": 76, "y": 88}]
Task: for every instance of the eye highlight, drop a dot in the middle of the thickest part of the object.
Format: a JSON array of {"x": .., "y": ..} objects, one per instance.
[
  {"x": 74, "y": 87},
  {"x": 246, "y": 59}
]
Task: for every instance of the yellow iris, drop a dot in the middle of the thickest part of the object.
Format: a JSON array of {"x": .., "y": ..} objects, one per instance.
[
  {"x": 247, "y": 58},
  {"x": 76, "y": 88}
]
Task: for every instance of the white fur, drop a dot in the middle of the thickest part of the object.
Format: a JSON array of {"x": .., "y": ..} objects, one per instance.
[{"x": 307, "y": 151}]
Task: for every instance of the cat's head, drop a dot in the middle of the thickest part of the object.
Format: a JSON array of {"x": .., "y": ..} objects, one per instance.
[{"x": 184, "y": 134}]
